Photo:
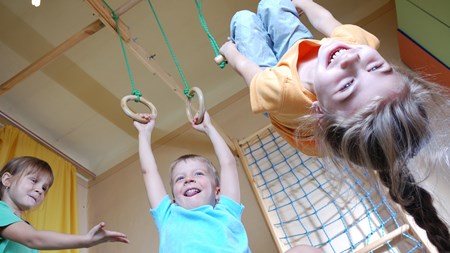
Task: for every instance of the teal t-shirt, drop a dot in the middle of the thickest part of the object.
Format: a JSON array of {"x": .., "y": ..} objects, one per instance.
[
  {"x": 7, "y": 217},
  {"x": 206, "y": 228}
]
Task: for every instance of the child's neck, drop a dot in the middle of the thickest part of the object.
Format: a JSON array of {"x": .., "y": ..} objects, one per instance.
[
  {"x": 17, "y": 213},
  {"x": 12, "y": 207}
]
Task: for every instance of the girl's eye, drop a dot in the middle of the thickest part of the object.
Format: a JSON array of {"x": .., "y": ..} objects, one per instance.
[
  {"x": 374, "y": 68},
  {"x": 178, "y": 179},
  {"x": 199, "y": 174},
  {"x": 346, "y": 85}
]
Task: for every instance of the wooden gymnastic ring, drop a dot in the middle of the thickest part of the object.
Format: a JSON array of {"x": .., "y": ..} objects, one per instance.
[
  {"x": 132, "y": 114},
  {"x": 201, "y": 105}
]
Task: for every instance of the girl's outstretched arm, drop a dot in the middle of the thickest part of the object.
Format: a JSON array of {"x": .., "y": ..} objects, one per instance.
[{"x": 23, "y": 233}]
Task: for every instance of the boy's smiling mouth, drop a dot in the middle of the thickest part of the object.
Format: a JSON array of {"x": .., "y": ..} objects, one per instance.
[{"x": 191, "y": 192}]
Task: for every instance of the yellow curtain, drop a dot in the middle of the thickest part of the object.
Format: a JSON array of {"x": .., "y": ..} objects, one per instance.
[{"x": 58, "y": 212}]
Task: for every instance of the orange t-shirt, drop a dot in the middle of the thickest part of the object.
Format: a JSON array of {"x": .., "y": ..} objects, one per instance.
[{"x": 280, "y": 92}]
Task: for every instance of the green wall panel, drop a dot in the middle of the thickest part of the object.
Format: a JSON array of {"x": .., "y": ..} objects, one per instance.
[
  {"x": 439, "y": 9},
  {"x": 426, "y": 22}
]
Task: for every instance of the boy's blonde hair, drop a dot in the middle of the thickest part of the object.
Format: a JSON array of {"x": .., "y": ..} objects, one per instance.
[
  {"x": 25, "y": 165},
  {"x": 384, "y": 136},
  {"x": 199, "y": 158}
]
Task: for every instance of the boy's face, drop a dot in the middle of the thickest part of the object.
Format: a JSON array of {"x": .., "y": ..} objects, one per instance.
[
  {"x": 26, "y": 192},
  {"x": 194, "y": 184},
  {"x": 348, "y": 77}
]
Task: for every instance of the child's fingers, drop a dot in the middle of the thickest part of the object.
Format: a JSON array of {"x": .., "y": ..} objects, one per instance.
[
  {"x": 118, "y": 237},
  {"x": 99, "y": 226},
  {"x": 195, "y": 119},
  {"x": 124, "y": 240},
  {"x": 144, "y": 115}
]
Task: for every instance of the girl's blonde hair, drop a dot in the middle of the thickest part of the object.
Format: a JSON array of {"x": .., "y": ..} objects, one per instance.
[
  {"x": 25, "y": 165},
  {"x": 384, "y": 136}
]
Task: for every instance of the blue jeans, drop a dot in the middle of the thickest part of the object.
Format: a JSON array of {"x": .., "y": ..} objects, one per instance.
[{"x": 265, "y": 37}]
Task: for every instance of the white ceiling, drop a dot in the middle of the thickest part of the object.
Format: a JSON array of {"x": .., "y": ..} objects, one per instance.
[{"x": 73, "y": 102}]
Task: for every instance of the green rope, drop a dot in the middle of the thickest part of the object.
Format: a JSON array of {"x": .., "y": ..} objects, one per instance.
[
  {"x": 134, "y": 91},
  {"x": 186, "y": 89},
  {"x": 205, "y": 27}
]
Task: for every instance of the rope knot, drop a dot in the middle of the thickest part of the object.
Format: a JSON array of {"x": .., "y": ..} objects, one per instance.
[
  {"x": 138, "y": 95},
  {"x": 187, "y": 92}
]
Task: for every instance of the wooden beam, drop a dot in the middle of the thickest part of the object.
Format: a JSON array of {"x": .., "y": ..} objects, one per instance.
[
  {"x": 126, "y": 6},
  {"x": 105, "y": 15},
  {"x": 52, "y": 55},
  {"x": 150, "y": 63},
  {"x": 142, "y": 55},
  {"x": 90, "y": 29}
]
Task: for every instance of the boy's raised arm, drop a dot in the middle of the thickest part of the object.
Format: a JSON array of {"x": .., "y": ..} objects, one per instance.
[
  {"x": 152, "y": 179},
  {"x": 229, "y": 179}
]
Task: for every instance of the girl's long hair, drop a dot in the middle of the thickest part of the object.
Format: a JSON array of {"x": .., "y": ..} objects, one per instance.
[{"x": 385, "y": 136}]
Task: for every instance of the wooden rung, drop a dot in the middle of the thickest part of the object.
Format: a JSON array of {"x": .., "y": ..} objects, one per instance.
[{"x": 384, "y": 239}]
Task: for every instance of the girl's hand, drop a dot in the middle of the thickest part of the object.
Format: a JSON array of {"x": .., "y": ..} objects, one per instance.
[
  {"x": 145, "y": 126},
  {"x": 227, "y": 49},
  {"x": 98, "y": 235}
]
